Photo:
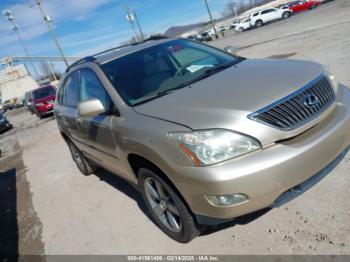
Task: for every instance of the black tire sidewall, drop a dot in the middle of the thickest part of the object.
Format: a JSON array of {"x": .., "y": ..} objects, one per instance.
[
  {"x": 189, "y": 228},
  {"x": 86, "y": 169}
]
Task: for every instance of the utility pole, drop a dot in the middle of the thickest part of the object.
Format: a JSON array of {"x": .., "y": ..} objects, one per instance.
[
  {"x": 8, "y": 14},
  {"x": 48, "y": 21},
  {"x": 138, "y": 25},
  {"x": 51, "y": 70},
  {"x": 211, "y": 18},
  {"x": 132, "y": 18}
]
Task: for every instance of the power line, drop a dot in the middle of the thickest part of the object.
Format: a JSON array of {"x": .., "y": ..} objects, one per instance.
[
  {"x": 211, "y": 18},
  {"x": 8, "y": 14},
  {"x": 48, "y": 21}
]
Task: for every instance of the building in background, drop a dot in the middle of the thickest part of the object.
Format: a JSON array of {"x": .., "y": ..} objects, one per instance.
[{"x": 15, "y": 81}]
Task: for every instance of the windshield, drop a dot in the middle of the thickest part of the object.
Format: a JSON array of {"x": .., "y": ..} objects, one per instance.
[
  {"x": 152, "y": 72},
  {"x": 44, "y": 92}
]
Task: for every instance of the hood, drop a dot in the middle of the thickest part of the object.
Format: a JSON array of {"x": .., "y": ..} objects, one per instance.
[{"x": 225, "y": 99}]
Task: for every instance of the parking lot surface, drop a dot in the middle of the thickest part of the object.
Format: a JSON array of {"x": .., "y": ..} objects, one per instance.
[{"x": 59, "y": 211}]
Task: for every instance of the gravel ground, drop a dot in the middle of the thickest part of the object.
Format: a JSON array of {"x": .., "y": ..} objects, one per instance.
[{"x": 60, "y": 211}]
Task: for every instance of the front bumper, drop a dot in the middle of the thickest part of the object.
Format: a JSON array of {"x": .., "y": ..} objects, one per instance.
[
  {"x": 265, "y": 175},
  {"x": 45, "y": 110},
  {"x": 5, "y": 126}
]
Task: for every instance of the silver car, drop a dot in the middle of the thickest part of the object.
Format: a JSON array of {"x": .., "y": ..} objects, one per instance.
[{"x": 205, "y": 135}]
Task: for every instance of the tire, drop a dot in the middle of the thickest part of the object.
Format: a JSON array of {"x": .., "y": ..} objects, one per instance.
[
  {"x": 259, "y": 23},
  {"x": 285, "y": 15},
  {"x": 39, "y": 115},
  {"x": 241, "y": 29},
  {"x": 167, "y": 206},
  {"x": 82, "y": 164}
]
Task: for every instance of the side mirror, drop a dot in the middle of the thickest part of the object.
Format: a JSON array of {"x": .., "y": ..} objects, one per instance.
[
  {"x": 90, "y": 108},
  {"x": 231, "y": 49}
]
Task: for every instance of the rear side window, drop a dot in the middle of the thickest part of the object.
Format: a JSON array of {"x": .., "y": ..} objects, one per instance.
[
  {"x": 91, "y": 87},
  {"x": 69, "y": 94},
  {"x": 256, "y": 14},
  {"x": 267, "y": 11}
]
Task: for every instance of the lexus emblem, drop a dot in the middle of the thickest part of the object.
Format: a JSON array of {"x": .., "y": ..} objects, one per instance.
[{"x": 311, "y": 100}]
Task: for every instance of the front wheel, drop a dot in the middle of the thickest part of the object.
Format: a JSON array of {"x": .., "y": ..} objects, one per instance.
[
  {"x": 166, "y": 208},
  {"x": 241, "y": 29},
  {"x": 259, "y": 23},
  {"x": 39, "y": 115}
]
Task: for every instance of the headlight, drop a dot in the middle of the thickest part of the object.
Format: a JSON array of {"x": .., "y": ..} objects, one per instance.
[
  {"x": 331, "y": 77},
  {"x": 209, "y": 147}
]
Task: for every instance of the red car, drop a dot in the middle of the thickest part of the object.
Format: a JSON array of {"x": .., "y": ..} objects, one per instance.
[
  {"x": 43, "y": 100},
  {"x": 303, "y": 5}
]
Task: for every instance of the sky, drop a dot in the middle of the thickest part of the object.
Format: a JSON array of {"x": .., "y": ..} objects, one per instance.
[{"x": 84, "y": 27}]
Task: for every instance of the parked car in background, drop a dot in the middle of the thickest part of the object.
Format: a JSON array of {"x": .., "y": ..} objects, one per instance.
[
  {"x": 195, "y": 37},
  {"x": 8, "y": 105},
  {"x": 234, "y": 25},
  {"x": 224, "y": 28},
  {"x": 29, "y": 102},
  {"x": 202, "y": 139},
  {"x": 262, "y": 17},
  {"x": 243, "y": 25},
  {"x": 208, "y": 35},
  {"x": 4, "y": 123},
  {"x": 19, "y": 103},
  {"x": 43, "y": 100},
  {"x": 303, "y": 5}
]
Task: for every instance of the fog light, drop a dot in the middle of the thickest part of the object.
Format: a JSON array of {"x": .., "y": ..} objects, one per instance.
[{"x": 226, "y": 200}]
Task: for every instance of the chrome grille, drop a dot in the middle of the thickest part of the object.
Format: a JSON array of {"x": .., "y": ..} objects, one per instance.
[{"x": 293, "y": 111}]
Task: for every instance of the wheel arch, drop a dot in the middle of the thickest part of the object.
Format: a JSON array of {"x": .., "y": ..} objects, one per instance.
[
  {"x": 137, "y": 162},
  {"x": 259, "y": 20}
]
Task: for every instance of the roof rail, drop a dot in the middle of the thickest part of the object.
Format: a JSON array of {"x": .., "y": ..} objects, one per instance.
[
  {"x": 131, "y": 44},
  {"x": 80, "y": 61},
  {"x": 93, "y": 57}
]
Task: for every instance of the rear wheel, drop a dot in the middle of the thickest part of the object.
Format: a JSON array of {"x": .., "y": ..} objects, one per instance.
[
  {"x": 286, "y": 15},
  {"x": 241, "y": 29},
  {"x": 259, "y": 23},
  {"x": 83, "y": 165},
  {"x": 166, "y": 208}
]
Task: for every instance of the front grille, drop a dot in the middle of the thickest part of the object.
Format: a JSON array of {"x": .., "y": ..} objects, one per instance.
[{"x": 293, "y": 111}]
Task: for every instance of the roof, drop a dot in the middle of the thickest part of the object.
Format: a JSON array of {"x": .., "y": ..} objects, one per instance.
[{"x": 111, "y": 54}]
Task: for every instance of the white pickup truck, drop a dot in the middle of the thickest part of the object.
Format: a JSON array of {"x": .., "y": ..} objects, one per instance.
[{"x": 262, "y": 17}]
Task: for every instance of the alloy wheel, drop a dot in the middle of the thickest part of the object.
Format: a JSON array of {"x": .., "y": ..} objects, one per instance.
[{"x": 162, "y": 205}]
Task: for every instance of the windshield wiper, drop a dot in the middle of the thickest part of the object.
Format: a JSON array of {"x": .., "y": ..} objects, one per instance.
[{"x": 218, "y": 68}]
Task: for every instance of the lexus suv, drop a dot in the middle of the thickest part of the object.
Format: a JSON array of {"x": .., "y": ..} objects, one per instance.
[{"x": 205, "y": 135}]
